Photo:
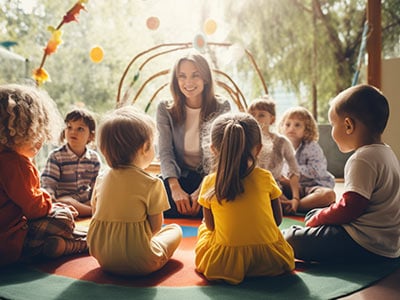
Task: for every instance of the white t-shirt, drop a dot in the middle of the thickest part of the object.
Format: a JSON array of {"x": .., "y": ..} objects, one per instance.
[
  {"x": 192, "y": 137},
  {"x": 373, "y": 171}
]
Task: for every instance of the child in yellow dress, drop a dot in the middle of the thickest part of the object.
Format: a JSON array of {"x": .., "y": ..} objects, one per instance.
[
  {"x": 125, "y": 233},
  {"x": 240, "y": 236}
]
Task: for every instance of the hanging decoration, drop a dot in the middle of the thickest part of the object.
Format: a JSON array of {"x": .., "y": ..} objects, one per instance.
[
  {"x": 40, "y": 75},
  {"x": 153, "y": 23},
  {"x": 96, "y": 54},
  {"x": 210, "y": 26},
  {"x": 200, "y": 42}
]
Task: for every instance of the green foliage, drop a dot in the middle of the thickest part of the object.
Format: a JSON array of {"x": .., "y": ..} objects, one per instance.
[
  {"x": 301, "y": 43},
  {"x": 297, "y": 43}
]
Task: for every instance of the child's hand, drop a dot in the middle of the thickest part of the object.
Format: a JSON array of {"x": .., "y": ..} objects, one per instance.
[
  {"x": 284, "y": 180},
  {"x": 311, "y": 222},
  {"x": 194, "y": 197},
  {"x": 290, "y": 206},
  {"x": 73, "y": 210}
]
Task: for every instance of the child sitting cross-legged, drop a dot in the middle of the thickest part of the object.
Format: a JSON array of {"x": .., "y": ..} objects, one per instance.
[
  {"x": 240, "y": 236},
  {"x": 31, "y": 226},
  {"x": 126, "y": 235},
  {"x": 364, "y": 225},
  {"x": 71, "y": 170}
]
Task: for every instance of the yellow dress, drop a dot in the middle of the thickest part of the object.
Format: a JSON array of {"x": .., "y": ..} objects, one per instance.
[
  {"x": 246, "y": 240},
  {"x": 119, "y": 235}
]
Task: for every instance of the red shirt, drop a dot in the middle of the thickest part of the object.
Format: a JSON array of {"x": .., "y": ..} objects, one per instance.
[{"x": 21, "y": 199}]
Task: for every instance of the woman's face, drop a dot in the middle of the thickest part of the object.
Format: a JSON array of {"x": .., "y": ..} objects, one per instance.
[{"x": 190, "y": 83}]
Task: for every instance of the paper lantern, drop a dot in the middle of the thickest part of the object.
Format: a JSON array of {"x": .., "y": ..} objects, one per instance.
[
  {"x": 199, "y": 42},
  {"x": 210, "y": 26},
  {"x": 153, "y": 23},
  {"x": 96, "y": 54}
]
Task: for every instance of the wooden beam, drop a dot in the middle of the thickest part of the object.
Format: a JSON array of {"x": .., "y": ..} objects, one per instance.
[{"x": 374, "y": 43}]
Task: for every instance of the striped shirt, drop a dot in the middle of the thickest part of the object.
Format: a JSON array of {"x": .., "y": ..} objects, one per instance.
[{"x": 66, "y": 174}]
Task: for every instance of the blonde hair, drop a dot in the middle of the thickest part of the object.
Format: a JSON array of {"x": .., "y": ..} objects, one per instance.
[
  {"x": 27, "y": 116},
  {"x": 234, "y": 136},
  {"x": 122, "y": 133},
  {"x": 311, "y": 127}
]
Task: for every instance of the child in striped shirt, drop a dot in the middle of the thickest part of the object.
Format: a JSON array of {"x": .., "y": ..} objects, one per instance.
[{"x": 71, "y": 170}]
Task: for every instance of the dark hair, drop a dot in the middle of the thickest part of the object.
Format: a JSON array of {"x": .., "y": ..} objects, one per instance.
[
  {"x": 80, "y": 114},
  {"x": 264, "y": 103},
  {"x": 209, "y": 104},
  {"x": 366, "y": 104},
  {"x": 122, "y": 133},
  {"x": 234, "y": 136}
]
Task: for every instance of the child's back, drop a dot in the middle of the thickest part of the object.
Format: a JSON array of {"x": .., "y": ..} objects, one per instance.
[
  {"x": 364, "y": 224},
  {"x": 244, "y": 239},
  {"x": 126, "y": 234}
]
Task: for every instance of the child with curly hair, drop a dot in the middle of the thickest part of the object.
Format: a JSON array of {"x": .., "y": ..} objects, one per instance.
[
  {"x": 316, "y": 183},
  {"x": 30, "y": 225}
]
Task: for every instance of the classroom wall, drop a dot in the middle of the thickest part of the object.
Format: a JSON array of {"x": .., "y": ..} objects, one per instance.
[{"x": 391, "y": 88}]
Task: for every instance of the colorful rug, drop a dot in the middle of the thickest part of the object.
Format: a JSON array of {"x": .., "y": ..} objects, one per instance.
[{"x": 80, "y": 277}]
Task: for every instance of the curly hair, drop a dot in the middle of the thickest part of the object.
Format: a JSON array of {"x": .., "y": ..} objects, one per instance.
[
  {"x": 311, "y": 132},
  {"x": 27, "y": 115}
]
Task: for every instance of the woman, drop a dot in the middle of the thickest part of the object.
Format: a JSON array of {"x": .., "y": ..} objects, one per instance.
[{"x": 182, "y": 125}]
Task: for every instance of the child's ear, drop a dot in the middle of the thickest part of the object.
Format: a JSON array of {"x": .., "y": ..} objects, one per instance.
[
  {"x": 146, "y": 146},
  {"x": 91, "y": 138},
  {"x": 258, "y": 149},
  {"x": 349, "y": 125}
]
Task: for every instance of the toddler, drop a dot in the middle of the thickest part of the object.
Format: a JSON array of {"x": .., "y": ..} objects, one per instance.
[
  {"x": 316, "y": 183},
  {"x": 364, "y": 225},
  {"x": 240, "y": 236},
  {"x": 30, "y": 225},
  {"x": 277, "y": 149},
  {"x": 126, "y": 234}
]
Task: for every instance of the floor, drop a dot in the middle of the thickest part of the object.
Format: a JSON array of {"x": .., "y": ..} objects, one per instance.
[{"x": 388, "y": 288}]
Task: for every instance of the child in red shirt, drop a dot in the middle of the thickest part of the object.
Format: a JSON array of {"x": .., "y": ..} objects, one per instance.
[{"x": 30, "y": 225}]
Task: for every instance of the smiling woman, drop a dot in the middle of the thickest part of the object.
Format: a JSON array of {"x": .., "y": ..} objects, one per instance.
[{"x": 183, "y": 125}]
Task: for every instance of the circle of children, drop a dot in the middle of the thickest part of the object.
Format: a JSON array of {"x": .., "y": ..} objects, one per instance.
[{"x": 228, "y": 168}]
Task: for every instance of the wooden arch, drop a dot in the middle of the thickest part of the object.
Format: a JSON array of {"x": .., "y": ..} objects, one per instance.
[{"x": 224, "y": 81}]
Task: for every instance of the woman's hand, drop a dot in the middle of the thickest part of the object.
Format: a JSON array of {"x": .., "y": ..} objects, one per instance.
[{"x": 180, "y": 197}]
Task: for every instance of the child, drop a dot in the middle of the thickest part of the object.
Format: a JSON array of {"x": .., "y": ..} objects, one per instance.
[
  {"x": 316, "y": 183},
  {"x": 240, "y": 235},
  {"x": 277, "y": 149},
  {"x": 71, "y": 170},
  {"x": 125, "y": 233},
  {"x": 364, "y": 225},
  {"x": 30, "y": 225}
]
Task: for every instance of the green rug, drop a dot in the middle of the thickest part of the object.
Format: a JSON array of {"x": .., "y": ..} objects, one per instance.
[{"x": 307, "y": 282}]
